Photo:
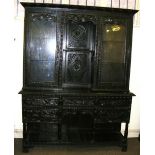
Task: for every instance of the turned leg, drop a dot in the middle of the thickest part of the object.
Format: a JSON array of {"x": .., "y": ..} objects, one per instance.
[
  {"x": 124, "y": 142},
  {"x": 59, "y": 131},
  {"x": 93, "y": 133},
  {"x": 25, "y": 146}
]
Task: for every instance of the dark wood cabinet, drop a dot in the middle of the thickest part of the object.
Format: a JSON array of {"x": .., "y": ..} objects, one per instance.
[{"x": 76, "y": 70}]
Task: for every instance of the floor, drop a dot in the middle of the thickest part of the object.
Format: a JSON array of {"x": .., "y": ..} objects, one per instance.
[{"x": 133, "y": 149}]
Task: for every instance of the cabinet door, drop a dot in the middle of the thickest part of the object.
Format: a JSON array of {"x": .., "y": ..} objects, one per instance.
[
  {"x": 41, "y": 49},
  {"x": 78, "y": 50},
  {"x": 113, "y": 57}
]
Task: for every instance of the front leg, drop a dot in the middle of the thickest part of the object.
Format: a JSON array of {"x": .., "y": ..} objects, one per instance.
[
  {"x": 25, "y": 145},
  {"x": 125, "y": 140}
]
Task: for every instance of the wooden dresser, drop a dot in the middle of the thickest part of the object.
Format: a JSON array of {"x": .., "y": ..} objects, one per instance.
[{"x": 76, "y": 69}]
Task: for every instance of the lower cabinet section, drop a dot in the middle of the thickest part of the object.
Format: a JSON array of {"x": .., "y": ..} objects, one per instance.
[
  {"x": 40, "y": 133},
  {"x": 75, "y": 120}
]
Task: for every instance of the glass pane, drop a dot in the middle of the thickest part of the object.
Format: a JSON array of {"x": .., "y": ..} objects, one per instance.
[
  {"x": 113, "y": 72},
  {"x": 114, "y": 32},
  {"x": 114, "y": 47},
  {"x": 114, "y": 51},
  {"x": 42, "y": 71},
  {"x": 42, "y": 28},
  {"x": 42, "y": 47}
]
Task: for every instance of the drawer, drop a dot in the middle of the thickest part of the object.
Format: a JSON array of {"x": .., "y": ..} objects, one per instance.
[
  {"x": 112, "y": 114},
  {"x": 40, "y": 115},
  {"x": 39, "y": 101},
  {"x": 78, "y": 101},
  {"x": 113, "y": 102}
]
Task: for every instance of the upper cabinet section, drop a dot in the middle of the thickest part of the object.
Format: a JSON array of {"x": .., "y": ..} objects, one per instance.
[{"x": 77, "y": 47}]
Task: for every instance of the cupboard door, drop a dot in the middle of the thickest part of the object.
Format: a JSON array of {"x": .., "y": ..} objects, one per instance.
[
  {"x": 112, "y": 71},
  {"x": 78, "y": 51},
  {"x": 41, "y": 49},
  {"x": 77, "y": 68}
]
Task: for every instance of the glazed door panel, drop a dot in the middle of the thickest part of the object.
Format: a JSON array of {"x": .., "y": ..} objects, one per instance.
[
  {"x": 41, "y": 50},
  {"x": 112, "y": 54}
]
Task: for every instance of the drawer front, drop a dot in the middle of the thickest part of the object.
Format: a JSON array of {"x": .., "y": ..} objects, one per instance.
[
  {"x": 78, "y": 111},
  {"x": 39, "y": 101},
  {"x": 111, "y": 102},
  {"x": 113, "y": 109},
  {"x": 40, "y": 115},
  {"x": 112, "y": 115},
  {"x": 78, "y": 102}
]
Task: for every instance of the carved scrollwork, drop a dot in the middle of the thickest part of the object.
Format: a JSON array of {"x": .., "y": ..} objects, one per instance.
[
  {"x": 78, "y": 102},
  {"x": 30, "y": 115},
  {"x": 112, "y": 115},
  {"x": 74, "y": 62},
  {"x": 78, "y": 35},
  {"x": 40, "y": 115},
  {"x": 114, "y": 102},
  {"x": 43, "y": 17},
  {"x": 81, "y": 18},
  {"x": 34, "y": 101},
  {"x": 77, "y": 67},
  {"x": 48, "y": 115},
  {"x": 108, "y": 20},
  {"x": 78, "y": 32}
]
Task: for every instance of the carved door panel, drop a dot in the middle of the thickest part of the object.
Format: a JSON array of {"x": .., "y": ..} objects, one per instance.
[
  {"x": 79, "y": 35},
  {"x": 78, "y": 51},
  {"x": 77, "y": 68}
]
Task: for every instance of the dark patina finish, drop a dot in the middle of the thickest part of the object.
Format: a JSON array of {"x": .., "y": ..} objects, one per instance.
[{"x": 76, "y": 70}]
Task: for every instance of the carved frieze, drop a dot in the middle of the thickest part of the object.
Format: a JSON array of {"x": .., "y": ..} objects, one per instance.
[
  {"x": 114, "y": 102},
  {"x": 40, "y": 115},
  {"x": 76, "y": 102},
  {"x": 81, "y": 17},
  {"x": 36, "y": 101},
  {"x": 46, "y": 17},
  {"x": 112, "y": 115}
]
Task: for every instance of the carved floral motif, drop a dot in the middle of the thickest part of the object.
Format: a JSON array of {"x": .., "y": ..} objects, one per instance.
[
  {"x": 43, "y": 17},
  {"x": 81, "y": 18}
]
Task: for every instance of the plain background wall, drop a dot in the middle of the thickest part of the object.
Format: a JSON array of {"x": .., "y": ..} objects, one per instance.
[{"x": 141, "y": 81}]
